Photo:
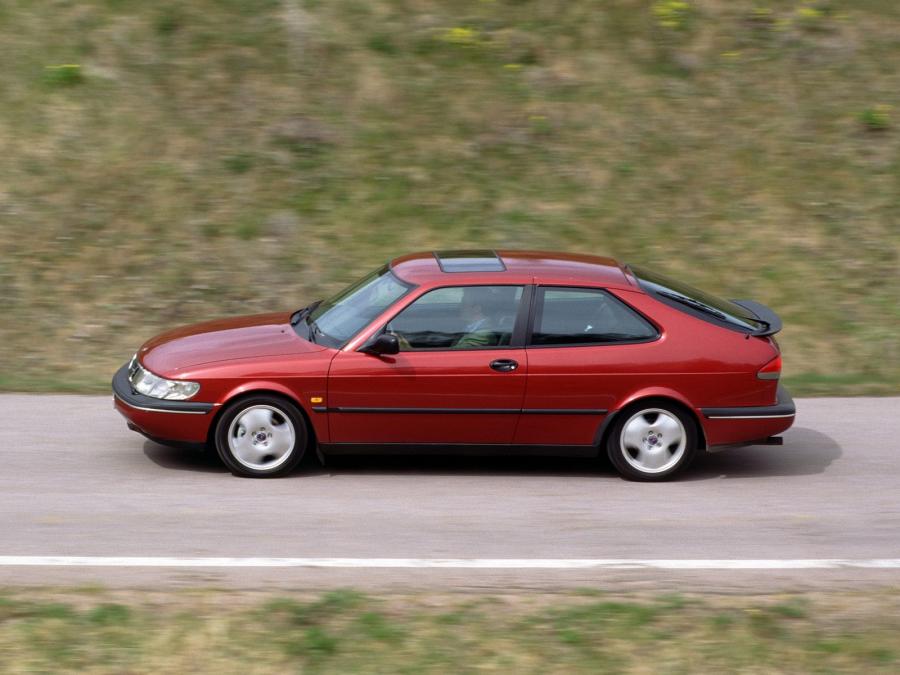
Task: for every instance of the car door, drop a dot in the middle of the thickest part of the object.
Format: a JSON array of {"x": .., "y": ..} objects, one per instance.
[
  {"x": 459, "y": 377},
  {"x": 584, "y": 347}
]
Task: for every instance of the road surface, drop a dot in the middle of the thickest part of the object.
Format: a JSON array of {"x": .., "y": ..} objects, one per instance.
[{"x": 79, "y": 492}]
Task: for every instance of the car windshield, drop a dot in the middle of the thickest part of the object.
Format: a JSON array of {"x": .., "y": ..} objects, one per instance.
[
  {"x": 334, "y": 321},
  {"x": 683, "y": 296}
]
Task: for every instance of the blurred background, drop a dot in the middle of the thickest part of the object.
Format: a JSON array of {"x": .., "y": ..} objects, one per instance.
[{"x": 168, "y": 162}]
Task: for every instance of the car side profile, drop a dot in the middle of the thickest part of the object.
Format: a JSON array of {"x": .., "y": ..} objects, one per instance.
[{"x": 495, "y": 352}]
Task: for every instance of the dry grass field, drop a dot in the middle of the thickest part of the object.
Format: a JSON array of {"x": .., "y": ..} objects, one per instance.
[
  {"x": 92, "y": 630},
  {"x": 167, "y": 162}
]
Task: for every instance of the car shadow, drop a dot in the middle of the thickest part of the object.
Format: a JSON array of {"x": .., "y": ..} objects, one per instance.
[
  {"x": 467, "y": 466},
  {"x": 183, "y": 459},
  {"x": 205, "y": 460},
  {"x": 805, "y": 452}
]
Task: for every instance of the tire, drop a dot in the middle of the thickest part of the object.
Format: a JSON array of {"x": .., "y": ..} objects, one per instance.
[
  {"x": 261, "y": 436},
  {"x": 652, "y": 441}
]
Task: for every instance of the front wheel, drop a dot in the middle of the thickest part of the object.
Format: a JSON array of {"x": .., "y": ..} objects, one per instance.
[
  {"x": 652, "y": 442},
  {"x": 261, "y": 437}
]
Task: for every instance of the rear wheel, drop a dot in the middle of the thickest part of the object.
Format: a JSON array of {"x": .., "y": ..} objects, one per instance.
[
  {"x": 652, "y": 442},
  {"x": 261, "y": 436}
]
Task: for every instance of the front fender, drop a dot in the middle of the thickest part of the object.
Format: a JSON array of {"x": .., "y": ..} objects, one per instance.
[{"x": 317, "y": 420}]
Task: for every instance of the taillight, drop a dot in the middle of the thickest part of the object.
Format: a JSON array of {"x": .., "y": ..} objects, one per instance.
[{"x": 772, "y": 370}]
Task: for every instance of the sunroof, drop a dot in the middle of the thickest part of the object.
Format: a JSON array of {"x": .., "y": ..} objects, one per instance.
[{"x": 469, "y": 261}]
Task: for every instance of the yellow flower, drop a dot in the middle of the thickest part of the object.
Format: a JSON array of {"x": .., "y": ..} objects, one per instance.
[
  {"x": 809, "y": 13},
  {"x": 671, "y": 13},
  {"x": 460, "y": 36},
  {"x": 783, "y": 24}
]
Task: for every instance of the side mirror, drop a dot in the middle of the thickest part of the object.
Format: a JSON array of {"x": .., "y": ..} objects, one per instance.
[{"x": 385, "y": 344}]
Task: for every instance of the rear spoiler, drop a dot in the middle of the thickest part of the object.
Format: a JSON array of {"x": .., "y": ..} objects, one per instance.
[{"x": 762, "y": 314}]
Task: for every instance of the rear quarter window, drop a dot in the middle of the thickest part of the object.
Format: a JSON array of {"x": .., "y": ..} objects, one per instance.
[{"x": 586, "y": 316}]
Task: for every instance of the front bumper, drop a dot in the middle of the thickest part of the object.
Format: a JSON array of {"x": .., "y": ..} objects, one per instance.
[{"x": 183, "y": 421}]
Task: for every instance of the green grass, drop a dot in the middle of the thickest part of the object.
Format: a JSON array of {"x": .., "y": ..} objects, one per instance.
[
  {"x": 164, "y": 163},
  {"x": 107, "y": 631}
]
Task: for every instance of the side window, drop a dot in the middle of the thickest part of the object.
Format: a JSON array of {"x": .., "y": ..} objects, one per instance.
[
  {"x": 458, "y": 317},
  {"x": 584, "y": 316}
]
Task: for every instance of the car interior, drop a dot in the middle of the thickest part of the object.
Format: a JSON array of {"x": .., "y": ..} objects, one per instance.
[
  {"x": 583, "y": 316},
  {"x": 444, "y": 317}
]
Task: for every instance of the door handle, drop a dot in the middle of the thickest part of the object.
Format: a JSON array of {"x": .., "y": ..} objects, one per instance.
[{"x": 504, "y": 365}]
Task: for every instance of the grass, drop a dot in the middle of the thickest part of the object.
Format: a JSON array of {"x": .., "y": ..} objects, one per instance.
[
  {"x": 164, "y": 163},
  {"x": 106, "y": 631}
]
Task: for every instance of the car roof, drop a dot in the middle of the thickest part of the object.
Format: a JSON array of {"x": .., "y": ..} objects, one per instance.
[{"x": 441, "y": 268}]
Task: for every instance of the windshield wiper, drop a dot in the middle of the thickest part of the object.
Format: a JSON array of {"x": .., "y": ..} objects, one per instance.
[
  {"x": 313, "y": 329},
  {"x": 297, "y": 316},
  {"x": 696, "y": 304},
  {"x": 303, "y": 312}
]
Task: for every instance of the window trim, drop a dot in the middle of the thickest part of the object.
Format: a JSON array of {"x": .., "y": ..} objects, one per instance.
[
  {"x": 410, "y": 287},
  {"x": 517, "y": 339},
  {"x": 537, "y": 309}
]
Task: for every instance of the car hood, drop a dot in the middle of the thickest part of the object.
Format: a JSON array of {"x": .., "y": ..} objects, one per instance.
[{"x": 256, "y": 336}]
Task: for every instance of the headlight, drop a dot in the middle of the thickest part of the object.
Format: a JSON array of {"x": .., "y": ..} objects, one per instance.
[{"x": 146, "y": 383}]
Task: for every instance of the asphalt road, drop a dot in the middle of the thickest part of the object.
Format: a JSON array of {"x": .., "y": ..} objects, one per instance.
[{"x": 76, "y": 482}]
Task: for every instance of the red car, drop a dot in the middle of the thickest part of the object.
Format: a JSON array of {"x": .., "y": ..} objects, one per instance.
[{"x": 472, "y": 351}]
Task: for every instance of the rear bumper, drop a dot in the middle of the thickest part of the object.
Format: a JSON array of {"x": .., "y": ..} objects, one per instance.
[
  {"x": 178, "y": 421},
  {"x": 748, "y": 424},
  {"x": 783, "y": 408}
]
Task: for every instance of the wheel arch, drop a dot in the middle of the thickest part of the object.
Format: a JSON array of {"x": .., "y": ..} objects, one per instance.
[
  {"x": 673, "y": 400},
  {"x": 264, "y": 390}
]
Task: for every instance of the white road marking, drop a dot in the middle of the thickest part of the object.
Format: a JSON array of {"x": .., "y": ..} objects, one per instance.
[{"x": 453, "y": 563}]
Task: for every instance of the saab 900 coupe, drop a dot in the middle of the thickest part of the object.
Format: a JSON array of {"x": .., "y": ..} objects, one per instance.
[{"x": 498, "y": 352}]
